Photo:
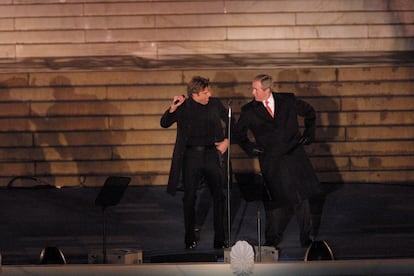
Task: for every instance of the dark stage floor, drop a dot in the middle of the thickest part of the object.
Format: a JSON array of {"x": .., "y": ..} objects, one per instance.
[{"x": 359, "y": 221}]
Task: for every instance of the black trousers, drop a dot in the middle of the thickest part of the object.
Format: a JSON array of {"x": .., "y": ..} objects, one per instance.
[
  {"x": 205, "y": 164},
  {"x": 277, "y": 220}
]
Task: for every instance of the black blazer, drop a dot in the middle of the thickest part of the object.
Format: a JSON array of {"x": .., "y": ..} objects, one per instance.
[
  {"x": 182, "y": 116},
  {"x": 284, "y": 165}
]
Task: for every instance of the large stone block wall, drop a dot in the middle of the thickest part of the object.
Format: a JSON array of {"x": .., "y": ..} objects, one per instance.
[
  {"x": 157, "y": 29},
  {"x": 83, "y": 83},
  {"x": 76, "y": 128}
]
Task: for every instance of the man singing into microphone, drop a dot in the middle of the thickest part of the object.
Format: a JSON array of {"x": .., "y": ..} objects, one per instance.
[{"x": 198, "y": 153}]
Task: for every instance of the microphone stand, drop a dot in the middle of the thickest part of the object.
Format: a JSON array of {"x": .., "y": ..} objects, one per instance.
[{"x": 228, "y": 176}]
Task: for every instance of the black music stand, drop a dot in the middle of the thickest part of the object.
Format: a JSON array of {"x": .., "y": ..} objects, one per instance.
[
  {"x": 110, "y": 195},
  {"x": 253, "y": 188}
]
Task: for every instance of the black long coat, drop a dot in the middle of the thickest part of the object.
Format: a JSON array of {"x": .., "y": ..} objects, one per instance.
[
  {"x": 217, "y": 114},
  {"x": 285, "y": 167}
]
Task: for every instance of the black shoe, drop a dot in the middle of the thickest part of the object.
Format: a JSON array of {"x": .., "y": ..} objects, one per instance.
[{"x": 191, "y": 245}]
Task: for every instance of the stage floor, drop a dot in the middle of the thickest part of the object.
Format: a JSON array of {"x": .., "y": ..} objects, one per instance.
[
  {"x": 359, "y": 221},
  {"x": 319, "y": 268}
]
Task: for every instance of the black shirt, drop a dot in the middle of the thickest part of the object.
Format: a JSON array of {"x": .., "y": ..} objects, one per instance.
[{"x": 203, "y": 128}]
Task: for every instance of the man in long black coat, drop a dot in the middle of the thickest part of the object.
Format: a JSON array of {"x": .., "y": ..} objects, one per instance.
[
  {"x": 198, "y": 153},
  {"x": 287, "y": 172}
]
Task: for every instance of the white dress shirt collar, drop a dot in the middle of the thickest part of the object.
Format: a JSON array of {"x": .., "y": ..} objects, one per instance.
[{"x": 271, "y": 103}]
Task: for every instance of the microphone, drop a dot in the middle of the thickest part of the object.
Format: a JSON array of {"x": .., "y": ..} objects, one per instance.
[
  {"x": 229, "y": 105},
  {"x": 177, "y": 100}
]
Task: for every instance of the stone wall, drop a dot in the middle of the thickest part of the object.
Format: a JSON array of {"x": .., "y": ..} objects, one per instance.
[
  {"x": 83, "y": 83},
  {"x": 76, "y": 128},
  {"x": 156, "y": 29}
]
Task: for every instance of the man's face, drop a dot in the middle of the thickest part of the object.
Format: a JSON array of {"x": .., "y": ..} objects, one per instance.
[
  {"x": 258, "y": 93},
  {"x": 202, "y": 97}
]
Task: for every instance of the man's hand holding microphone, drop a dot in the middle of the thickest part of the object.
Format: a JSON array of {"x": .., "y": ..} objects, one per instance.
[{"x": 177, "y": 101}]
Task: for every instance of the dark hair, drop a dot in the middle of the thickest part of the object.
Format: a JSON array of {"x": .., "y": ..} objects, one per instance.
[
  {"x": 197, "y": 84},
  {"x": 265, "y": 80}
]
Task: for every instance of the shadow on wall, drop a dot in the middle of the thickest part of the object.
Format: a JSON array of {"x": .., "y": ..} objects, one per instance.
[
  {"x": 19, "y": 126},
  {"x": 76, "y": 137}
]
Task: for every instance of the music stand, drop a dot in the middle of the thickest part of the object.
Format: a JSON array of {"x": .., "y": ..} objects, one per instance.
[
  {"x": 253, "y": 188},
  {"x": 110, "y": 195}
]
